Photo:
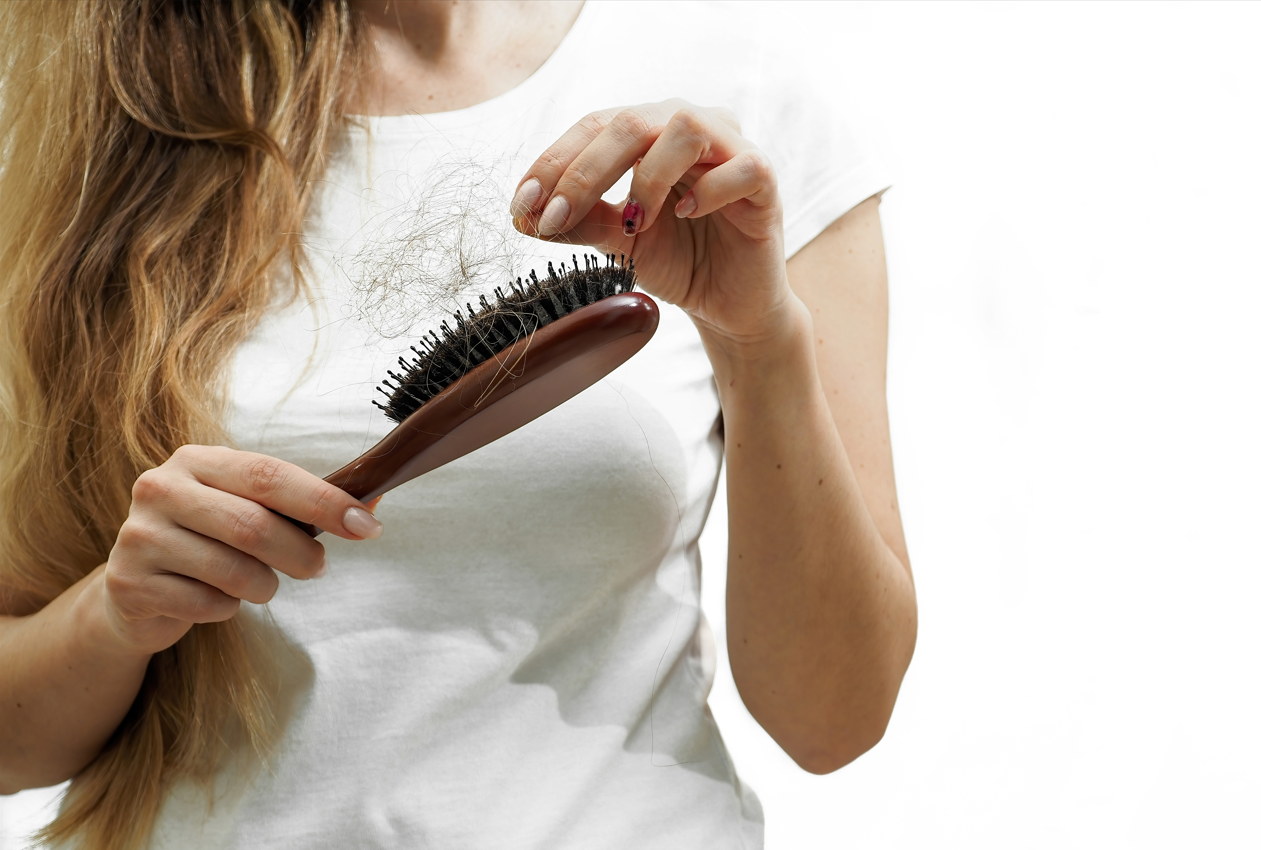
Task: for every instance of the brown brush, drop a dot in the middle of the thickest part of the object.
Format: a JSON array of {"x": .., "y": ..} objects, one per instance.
[{"x": 501, "y": 366}]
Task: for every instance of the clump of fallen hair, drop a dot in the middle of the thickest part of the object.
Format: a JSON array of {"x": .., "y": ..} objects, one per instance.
[
  {"x": 438, "y": 237},
  {"x": 480, "y": 334}
]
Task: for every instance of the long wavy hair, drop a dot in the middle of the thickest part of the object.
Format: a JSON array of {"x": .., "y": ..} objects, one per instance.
[{"x": 155, "y": 162}]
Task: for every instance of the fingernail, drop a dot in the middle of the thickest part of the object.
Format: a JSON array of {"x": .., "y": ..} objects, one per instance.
[
  {"x": 686, "y": 206},
  {"x": 530, "y": 193},
  {"x": 632, "y": 217},
  {"x": 322, "y": 571},
  {"x": 359, "y": 522},
  {"x": 554, "y": 216}
]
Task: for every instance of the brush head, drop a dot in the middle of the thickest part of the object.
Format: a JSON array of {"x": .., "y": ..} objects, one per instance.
[{"x": 448, "y": 354}]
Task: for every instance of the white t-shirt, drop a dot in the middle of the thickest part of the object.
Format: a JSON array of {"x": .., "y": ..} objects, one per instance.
[{"x": 520, "y": 661}]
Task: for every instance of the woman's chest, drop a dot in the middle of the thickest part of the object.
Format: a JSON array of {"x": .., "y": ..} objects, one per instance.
[{"x": 563, "y": 514}]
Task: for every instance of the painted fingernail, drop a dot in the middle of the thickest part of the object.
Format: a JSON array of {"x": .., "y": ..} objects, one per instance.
[
  {"x": 322, "y": 571},
  {"x": 686, "y": 206},
  {"x": 361, "y": 523},
  {"x": 554, "y": 217},
  {"x": 527, "y": 198},
  {"x": 632, "y": 217}
]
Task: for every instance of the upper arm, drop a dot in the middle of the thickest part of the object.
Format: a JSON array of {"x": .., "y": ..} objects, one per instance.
[{"x": 842, "y": 279}]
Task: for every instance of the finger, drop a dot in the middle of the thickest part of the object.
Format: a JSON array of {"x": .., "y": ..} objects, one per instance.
[
  {"x": 601, "y": 228},
  {"x": 691, "y": 138},
  {"x": 193, "y": 601},
  {"x": 599, "y": 165},
  {"x": 283, "y": 487},
  {"x": 541, "y": 178},
  {"x": 249, "y": 527},
  {"x": 746, "y": 176},
  {"x": 222, "y": 567},
  {"x": 143, "y": 595}
]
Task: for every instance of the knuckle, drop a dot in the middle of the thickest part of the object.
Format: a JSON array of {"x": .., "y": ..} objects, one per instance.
[
  {"x": 651, "y": 182},
  {"x": 758, "y": 166},
  {"x": 550, "y": 160},
  {"x": 247, "y": 529},
  {"x": 208, "y": 607},
  {"x": 122, "y": 585},
  {"x": 197, "y": 608},
  {"x": 135, "y": 535},
  {"x": 236, "y": 579},
  {"x": 326, "y": 498},
  {"x": 149, "y": 486},
  {"x": 580, "y": 177},
  {"x": 594, "y": 123},
  {"x": 631, "y": 123},
  {"x": 265, "y": 475},
  {"x": 690, "y": 121},
  {"x": 267, "y": 589},
  {"x": 131, "y": 593}
]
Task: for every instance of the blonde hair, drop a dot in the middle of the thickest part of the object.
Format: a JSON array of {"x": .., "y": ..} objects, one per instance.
[{"x": 155, "y": 161}]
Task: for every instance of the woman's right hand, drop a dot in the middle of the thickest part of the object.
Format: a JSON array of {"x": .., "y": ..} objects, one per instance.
[{"x": 199, "y": 539}]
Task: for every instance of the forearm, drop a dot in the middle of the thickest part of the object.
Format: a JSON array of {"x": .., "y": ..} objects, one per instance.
[
  {"x": 820, "y": 612},
  {"x": 66, "y": 682}
]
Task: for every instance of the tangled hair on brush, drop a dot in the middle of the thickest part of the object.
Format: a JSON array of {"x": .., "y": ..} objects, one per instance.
[
  {"x": 483, "y": 333},
  {"x": 155, "y": 161}
]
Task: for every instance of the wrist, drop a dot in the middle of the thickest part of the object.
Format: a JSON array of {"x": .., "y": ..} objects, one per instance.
[{"x": 779, "y": 345}]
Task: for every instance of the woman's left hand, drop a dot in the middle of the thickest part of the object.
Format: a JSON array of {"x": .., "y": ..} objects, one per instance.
[{"x": 703, "y": 220}]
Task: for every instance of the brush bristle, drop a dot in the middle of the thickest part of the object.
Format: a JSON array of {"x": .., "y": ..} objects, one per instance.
[{"x": 449, "y": 353}]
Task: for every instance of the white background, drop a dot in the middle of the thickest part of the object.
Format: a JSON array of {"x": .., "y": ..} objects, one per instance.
[{"x": 1075, "y": 261}]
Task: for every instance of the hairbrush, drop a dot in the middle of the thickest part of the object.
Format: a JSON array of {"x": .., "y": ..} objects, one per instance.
[{"x": 501, "y": 366}]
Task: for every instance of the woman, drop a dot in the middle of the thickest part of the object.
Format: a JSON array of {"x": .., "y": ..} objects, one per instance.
[{"x": 518, "y": 660}]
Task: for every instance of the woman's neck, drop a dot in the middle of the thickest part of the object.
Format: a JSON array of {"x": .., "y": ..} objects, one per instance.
[{"x": 440, "y": 55}]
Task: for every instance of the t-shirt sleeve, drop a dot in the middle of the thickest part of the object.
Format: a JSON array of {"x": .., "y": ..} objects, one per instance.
[{"x": 824, "y": 165}]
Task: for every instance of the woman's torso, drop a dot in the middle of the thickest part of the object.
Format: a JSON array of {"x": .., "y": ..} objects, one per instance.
[{"x": 521, "y": 660}]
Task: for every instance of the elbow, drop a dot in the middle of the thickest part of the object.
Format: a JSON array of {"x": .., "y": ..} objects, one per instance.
[
  {"x": 825, "y": 721},
  {"x": 852, "y": 727},
  {"x": 10, "y": 781},
  {"x": 15, "y": 778},
  {"x": 829, "y": 756},
  {"x": 9, "y": 785}
]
